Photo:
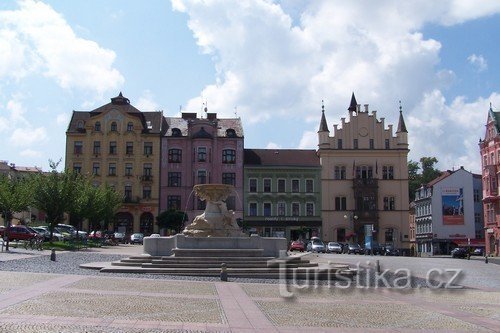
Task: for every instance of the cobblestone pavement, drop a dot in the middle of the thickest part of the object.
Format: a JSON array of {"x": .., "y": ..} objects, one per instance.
[{"x": 43, "y": 302}]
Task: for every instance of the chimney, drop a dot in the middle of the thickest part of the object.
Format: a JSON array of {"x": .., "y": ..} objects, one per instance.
[
  {"x": 211, "y": 116},
  {"x": 366, "y": 108}
]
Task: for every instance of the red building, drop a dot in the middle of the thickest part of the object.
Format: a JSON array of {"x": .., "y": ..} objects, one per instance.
[{"x": 490, "y": 153}]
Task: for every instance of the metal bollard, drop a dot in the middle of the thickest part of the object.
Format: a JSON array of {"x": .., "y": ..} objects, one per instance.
[
  {"x": 486, "y": 259},
  {"x": 53, "y": 255},
  {"x": 223, "y": 272}
]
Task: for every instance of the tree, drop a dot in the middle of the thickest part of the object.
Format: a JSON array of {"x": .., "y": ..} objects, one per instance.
[
  {"x": 109, "y": 202},
  {"x": 416, "y": 179},
  {"x": 428, "y": 171},
  {"x": 15, "y": 196},
  {"x": 172, "y": 219}
]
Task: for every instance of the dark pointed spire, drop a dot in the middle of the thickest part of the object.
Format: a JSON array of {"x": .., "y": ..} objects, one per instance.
[
  {"x": 323, "y": 126},
  {"x": 401, "y": 123},
  {"x": 354, "y": 105},
  {"x": 120, "y": 100}
]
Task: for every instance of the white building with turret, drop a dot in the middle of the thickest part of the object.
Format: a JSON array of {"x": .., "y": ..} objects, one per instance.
[{"x": 364, "y": 179}]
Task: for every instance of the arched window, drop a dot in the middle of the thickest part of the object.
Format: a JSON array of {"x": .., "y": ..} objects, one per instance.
[
  {"x": 130, "y": 127},
  {"x": 176, "y": 132},
  {"x": 230, "y": 133},
  {"x": 114, "y": 127},
  {"x": 97, "y": 126}
]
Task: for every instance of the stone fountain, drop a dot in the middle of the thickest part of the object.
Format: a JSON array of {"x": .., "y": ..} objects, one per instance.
[{"x": 214, "y": 232}]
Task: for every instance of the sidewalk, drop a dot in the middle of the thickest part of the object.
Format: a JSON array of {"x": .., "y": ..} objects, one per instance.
[{"x": 34, "y": 302}]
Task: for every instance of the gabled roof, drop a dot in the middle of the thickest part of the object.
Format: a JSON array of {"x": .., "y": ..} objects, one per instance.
[{"x": 281, "y": 157}]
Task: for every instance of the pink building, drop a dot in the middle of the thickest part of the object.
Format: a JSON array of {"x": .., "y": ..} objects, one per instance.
[
  {"x": 200, "y": 151},
  {"x": 490, "y": 154}
]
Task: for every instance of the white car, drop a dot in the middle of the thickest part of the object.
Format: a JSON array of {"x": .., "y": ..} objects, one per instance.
[{"x": 56, "y": 236}]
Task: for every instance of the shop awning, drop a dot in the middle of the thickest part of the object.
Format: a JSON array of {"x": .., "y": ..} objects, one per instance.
[{"x": 464, "y": 242}]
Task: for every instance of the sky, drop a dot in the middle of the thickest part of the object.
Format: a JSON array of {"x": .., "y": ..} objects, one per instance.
[{"x": 272, "y": 63}]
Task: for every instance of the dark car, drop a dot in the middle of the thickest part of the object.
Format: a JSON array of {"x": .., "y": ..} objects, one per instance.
[
  {"x": 297, "y": 246},
  {"x": 459, "y": 252},
  {"x": 390, "y": 250},
  {"x": 354, "y": 248}
]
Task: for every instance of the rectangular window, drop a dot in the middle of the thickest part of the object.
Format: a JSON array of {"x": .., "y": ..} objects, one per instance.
[
  {"x": 387, "y": 145},
  {"x": 309, "y": 186},
  {"x": 202, "y": 177},
  {"x": 281, "y": 208},
  {"x": 128, "y": 193},
  {"x": 252, "y": 185},
  {"x": 231, "y": 203},
  {"x": 174, "y": 202},
  {"x": 477, "y": 195},
  {"x": 128, "y": 169},
  {"x": 148, "y": 148},
  {"x": 267, "y": 185},
  {"x": 339, "y": 144},
  {"x": 112, "y": 169},
  {"x": 229, "y": 156},
  {"x": 175, "y": 155},
  {"x": 339, "y": 172},
  {"x": 129, "y": 148},
  {"x": 387, "y": 172},
  {"x": 147, "y": 172},
  {"x": 174, "y": 179},
  {"x": 112, "y": 148},
  {"x": 95, "y": 169},
  {"x": 364, "y": 172},
  {"x": 97, "y": 148},
  {"x": 340, "y": 203},
  {"x": 389, "y": 203},
  {"x": 77, "y": 168},
  {"x": 295, "y": 186},
  {"x": 281, "y": 185},
  {"x": 146, "y": 192},
  {"x": 309, "y": 209},
  {"x": 355, "y": 143},
  {"x": 267, "y": 209},
  {"x": 372, "y": 144},
  {"x": 252, "y": 209},
  {"x": 229, "y": 178},
  {"x": 202, "y": 154},
  {"x": 78, "y": 147},
  {"x": 295, "y": 209}
]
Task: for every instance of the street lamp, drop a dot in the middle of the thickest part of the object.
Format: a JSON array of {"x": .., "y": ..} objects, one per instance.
[{"x": 351, "y": 217}]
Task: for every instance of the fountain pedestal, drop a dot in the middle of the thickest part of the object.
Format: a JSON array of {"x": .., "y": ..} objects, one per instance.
[{"x": 214, "y": 233}]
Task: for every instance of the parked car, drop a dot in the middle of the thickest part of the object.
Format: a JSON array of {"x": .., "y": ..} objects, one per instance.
[
  {"x": 459, "y": 252},
  {"x": 121, "y": 237},
  {"x": 334, "y": 247},
  {"x": 72, "y": 231},
  {"x": 316, "y": 245},
  {"x": 390, "y": 250},
  {"x": 42, "y": 232},
  {"x": 478, "y": 251},
  {"x": 354, "y": 248},
  {"x": 136, "y": 238},
  {"x": 56, "y": 235},
  {"x": 297, "y": 245},
  {"x": 18, "y": 232}
]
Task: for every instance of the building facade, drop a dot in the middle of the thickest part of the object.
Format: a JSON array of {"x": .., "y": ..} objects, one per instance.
[
  {"x": 282, "y": 191},
  {"x": 449, "y": 213},
  {"x": 199, "y": 150},
  {"x": 364, "y": 179},
  {"x": 119, "y": 145},
  {"x": 490, "y": 157}
]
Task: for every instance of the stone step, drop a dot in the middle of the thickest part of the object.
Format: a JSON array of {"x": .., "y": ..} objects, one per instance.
[
  {"x": 218, "y": 252},
  {"x": 216, "y": 265}
]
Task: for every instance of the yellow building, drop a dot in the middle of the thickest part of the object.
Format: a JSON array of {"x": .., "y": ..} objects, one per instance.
[
  {"x": 364, "y": 179},
  {"x": 119, "y": 145}
]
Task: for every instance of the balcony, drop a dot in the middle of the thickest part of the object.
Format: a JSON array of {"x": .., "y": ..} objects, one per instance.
[
  {"x": 147, "y": 178},
  {"x": 360, "y": 183},
  {"x": 366, "y": 215}
]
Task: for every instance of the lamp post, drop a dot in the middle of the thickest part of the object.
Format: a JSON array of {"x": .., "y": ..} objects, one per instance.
[{"x": 351, "y": 217}]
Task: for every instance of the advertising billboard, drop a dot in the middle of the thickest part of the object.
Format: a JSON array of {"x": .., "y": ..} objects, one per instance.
[{"x": 453, "y": 206}]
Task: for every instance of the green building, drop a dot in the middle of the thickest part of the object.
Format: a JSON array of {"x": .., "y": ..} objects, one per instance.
[{"x": 282, "y": 193}]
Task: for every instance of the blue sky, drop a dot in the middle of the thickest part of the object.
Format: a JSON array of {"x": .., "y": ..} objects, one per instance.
[{"x": 269, "y": 62}]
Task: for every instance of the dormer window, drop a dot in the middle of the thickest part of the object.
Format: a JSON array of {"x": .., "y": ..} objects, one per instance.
[
  {"x": 176, "y": 132},
  {"x": 130, "y": 127},
  {"x": 230, "y": 133},
  {"x": 79, "y": 125},
  {"x": 114, "y": 126},
  {"x": 97, "y": 126}
]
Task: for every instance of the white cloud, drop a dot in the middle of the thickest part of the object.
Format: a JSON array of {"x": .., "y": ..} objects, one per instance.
[
  {"x": 31, "y": 153},
  {"x": 26, "y": 137},
  {"x": 279, "y": 65},
  {"x": 146, "y": 102},
  {"x": 272, "y": 145},
  {"x": 36, "y": 39},
  {"x": 309, "y": 140},
  {"x": 478, "y": 62},
  {"x": 62, "y": 119}
]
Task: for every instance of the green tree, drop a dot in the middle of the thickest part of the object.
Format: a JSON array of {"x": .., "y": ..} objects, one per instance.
[
  {"x": 109, "y": 202},
  {"x": 416, "y": 179},
  {"x": 428, "y": 171},
  {"x": 15, "y": 196},
  {"x": 83, "y": 202},
  {"x": 171, "y": 219}
]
